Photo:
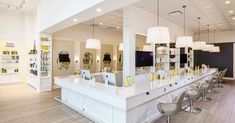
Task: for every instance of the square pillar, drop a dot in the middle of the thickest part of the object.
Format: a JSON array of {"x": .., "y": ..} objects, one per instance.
[{"x": 129, "y": 47}]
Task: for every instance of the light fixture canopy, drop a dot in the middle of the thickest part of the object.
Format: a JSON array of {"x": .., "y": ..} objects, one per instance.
[
  {"x": 158, "y": 34},
  {"x": 184, "y": 41},
  {"x": 93, "y": 43},
  {"x": 120, "y": 47}
]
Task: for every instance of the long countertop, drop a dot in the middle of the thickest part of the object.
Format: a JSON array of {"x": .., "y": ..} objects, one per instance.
[{"x": 77, "y": 83}]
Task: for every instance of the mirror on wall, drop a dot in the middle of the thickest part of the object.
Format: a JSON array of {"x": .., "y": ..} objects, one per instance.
[
  {"x": 88, "y": 60},
  {"x": 63, "y": 60}
]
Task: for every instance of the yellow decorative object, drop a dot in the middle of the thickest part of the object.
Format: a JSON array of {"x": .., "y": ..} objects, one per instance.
[
  {"x": 128, "y": 81},
  {"x": 155, "y": 77},
  {"x": 151, "y": 77},
  {"x": 44, "y": 47}
]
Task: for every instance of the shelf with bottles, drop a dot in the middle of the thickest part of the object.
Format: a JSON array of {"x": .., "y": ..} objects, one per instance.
[
  {"x": 9, "y": 70},
  {"x": 9, "y": 57}
]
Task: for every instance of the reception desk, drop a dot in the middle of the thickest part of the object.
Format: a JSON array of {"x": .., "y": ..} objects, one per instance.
[{"x": 110, "y": 104}]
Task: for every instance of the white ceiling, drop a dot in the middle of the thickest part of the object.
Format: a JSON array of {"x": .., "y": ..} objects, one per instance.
[
  {"x": 213, "y": 12},
  {"x": 112, "y": 20}
]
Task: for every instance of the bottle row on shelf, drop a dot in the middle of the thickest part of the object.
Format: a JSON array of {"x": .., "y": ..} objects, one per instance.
[{"x": 5, "y": 70}]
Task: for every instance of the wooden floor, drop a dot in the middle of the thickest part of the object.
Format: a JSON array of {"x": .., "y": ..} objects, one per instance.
[
  {"x": 21, "y": 104},
  {"x": 220, "y": 110}
]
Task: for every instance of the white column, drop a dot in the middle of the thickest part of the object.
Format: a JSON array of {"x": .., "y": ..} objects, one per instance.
[
  {"x": 154, "y": 57},
  {"x": 115, "y": 53},
  {"x": 77, "y": 55},
  {"x": 98, "y": 60},
  {"x": 128, "y": 46}
]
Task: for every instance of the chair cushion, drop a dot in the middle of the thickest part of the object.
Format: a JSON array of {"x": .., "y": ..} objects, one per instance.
[
  {"x": 206, "y": 85},
  {"x": 192, "y": 94},
  {"x": 169, "y": 109}
]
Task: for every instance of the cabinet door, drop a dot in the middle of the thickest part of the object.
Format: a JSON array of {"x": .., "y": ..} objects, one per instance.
[
  {"x": 99, "y": 111},
  {"x": 74, "y": 99}
]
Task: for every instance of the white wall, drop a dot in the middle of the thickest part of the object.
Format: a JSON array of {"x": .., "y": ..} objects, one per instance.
[
  {"x": 82, "y": 32},
  {"x": 17, "y": 27}
]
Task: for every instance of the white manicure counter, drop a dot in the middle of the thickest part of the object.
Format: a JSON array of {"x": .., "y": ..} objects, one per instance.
[{"x": 111, "y": 104}]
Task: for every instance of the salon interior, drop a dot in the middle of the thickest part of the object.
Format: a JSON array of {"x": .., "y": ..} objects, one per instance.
[{"x": 117, "y": 61}]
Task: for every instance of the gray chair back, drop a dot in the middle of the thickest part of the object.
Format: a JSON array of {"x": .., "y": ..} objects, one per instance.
[{"x": 180, "y": 100}]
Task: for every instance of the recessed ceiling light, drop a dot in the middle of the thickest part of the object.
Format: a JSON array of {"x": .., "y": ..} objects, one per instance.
[
  {"x": 101, "y": 23},
  {"x": 98, "y": 9},
  {"x": 75, "y": 19},
  {"x": 233, "y": 18},
  {"x": 117, "y": 27},
  {"x": 227, "y": 2},
  {"x": 231, "y": 11}
]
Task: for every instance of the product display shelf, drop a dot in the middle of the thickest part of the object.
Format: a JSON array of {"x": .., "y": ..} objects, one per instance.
[
  {"x": 9, "y": 65},
  {"x": 41, "y": 63},
  {"x": 162, "y": 57},
  {"x": 167, "y": 57},
  {"x": 190, "y": 57},
  {"x": 45, "y": 65},
  {"x": 174, "y": 57}
]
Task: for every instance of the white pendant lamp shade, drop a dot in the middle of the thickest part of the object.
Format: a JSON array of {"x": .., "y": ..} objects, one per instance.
[
  {"x": 147, "y": 48},
  {"x": 93, "y": 44},
  {"x": 120, "y": 47},
  {"x": 158, "y": 35},
  {"x": 208, "y": 47},
  {"x": 184, "y": 41},
  {"x": 216, "y": 49},
  {"x": 199, "y": 45}
]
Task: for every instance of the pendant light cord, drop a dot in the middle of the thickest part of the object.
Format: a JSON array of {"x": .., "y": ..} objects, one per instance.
[
  {"x": 208, "y": 39},
  {"x": 93, "y": 30},
  {"x": 184, "y": 17},
  {"x": 199, "y": 35},
  {"x": 214, "y": 36},
  {"x": 158, "y": 12}
]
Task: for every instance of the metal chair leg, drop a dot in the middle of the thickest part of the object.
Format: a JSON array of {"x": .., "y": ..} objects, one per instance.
[
  {"x": 204, "y": 98},
  {"x": 192, "y": 109},
  {"x": 168, "y": 119}
]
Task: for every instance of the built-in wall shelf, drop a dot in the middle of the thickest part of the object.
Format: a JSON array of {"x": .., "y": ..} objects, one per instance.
[
  {"x": 9, "y": 65},
  {"x": 167, "y": 57},
  {"x": 41, "y": 64}
]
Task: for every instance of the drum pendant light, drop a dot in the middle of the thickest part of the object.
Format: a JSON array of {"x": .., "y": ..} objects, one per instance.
[
  {"x": 208, "y": 47},
  {"x": 158, "y": 34},
  {"x": 120, "y": 47},
  {"x": 199, "y": 45},
  {"x": 184, "y": 41},
  {"x": 93, "y": 43},
  {"x": 216, "y": 49}
]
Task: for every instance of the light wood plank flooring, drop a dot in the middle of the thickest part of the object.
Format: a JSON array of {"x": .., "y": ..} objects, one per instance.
[
  {"x": 21, "y": 104},
  {"x": 220, "y": 110}
]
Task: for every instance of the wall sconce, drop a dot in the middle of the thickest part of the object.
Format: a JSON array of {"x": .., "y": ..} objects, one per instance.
[
  {"x": 97, "y": 59},
  {"x": 114, "y": 59},
  {"x": 76, "y": 59}
]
